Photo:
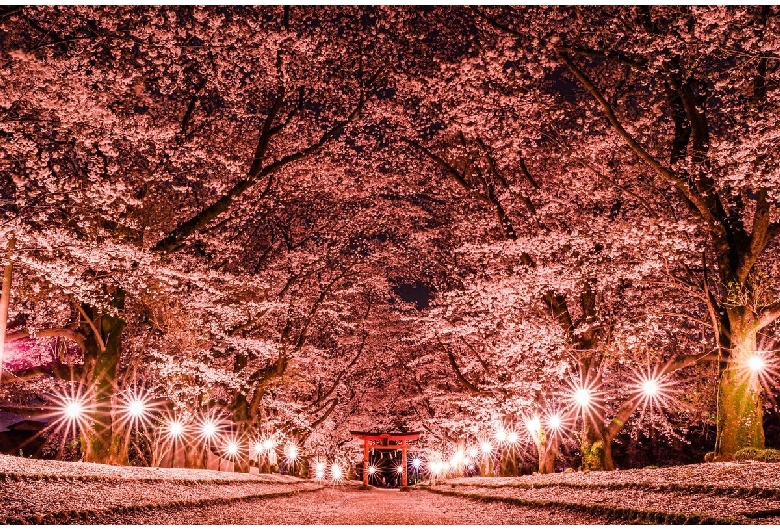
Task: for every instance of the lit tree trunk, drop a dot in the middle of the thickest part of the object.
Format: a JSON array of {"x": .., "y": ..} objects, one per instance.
[
  {"x": 104, "y": 443},
  {"x": 508, "y": 464},
  {"x": 547, "y": 462},
  {"x": 740, "y": 402},
  {"x": 241, "y": 419},
  {"x": 5, "y": 299},
  {"x": 547, "y": 450},
  {"x": 593, "y": 449}
]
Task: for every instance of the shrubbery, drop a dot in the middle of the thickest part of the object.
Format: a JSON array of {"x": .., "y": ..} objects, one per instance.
[{"x": 760, "y": 455}]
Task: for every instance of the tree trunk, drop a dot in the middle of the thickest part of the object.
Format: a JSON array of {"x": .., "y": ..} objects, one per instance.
[
  {"x": 609, "y": 464},
  {"x": 508, "y": 465},
  {"x": 104, "y": 443},
  {"x": 486, "y": 468},
  {"x": 241, "y": 419},
  {"x": 592, "y": 455},
  {"x": 241, "y": 415},
  {"x": 596, "y": 451},
  {"x": 740, "y": 400},
  {"x": 547, "y": 461},
  {"x": 5, "y": 299}
]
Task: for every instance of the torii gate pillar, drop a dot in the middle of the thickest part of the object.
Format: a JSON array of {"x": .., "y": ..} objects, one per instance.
[
  {"x": 365, "y": 462},
  {"x": 404, "y": 463}
]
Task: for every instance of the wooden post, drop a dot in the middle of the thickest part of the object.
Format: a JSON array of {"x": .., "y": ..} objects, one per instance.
[
  {"x": 403, "y": 462},
  {"x": 365, "y": 461}
]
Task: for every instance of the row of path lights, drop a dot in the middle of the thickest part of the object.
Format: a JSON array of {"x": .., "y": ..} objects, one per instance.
[{"x": 135, "y": 409}]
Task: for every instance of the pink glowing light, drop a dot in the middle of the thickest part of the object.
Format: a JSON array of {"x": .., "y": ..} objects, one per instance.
[
  {"x": 335, "y": 472},
  {"x": 175, "y": 428}
]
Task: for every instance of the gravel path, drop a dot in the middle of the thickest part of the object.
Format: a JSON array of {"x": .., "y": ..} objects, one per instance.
[{"x": 348, "y": 505}]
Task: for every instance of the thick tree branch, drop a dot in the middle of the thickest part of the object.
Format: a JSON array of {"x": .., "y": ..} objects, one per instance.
[
  {"x": 69, "y": 334},
  {"x": 768, "y": 315},
  {"x": 257, "y": 171},
  {"x": 556, "y": 303},
  {"x": 621, "y": 417},
  {"x": 759, "y": 237},
  {"x": 316, "y": 423},
  {"x": 623, "y": 58},
  {"x": 471, "y": 387},
  {"x": 667, "y": 174},
  {"x": 489, "y": 196}
]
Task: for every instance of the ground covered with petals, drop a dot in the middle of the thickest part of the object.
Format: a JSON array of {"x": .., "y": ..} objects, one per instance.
[
  {"x": 36, "y": 491},
  {"x": 39, "y": 491},
  {"x": 746, "y": 492}
]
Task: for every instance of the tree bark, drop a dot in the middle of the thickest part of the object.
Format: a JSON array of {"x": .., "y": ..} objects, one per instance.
[
  {"x": 740, "y": 399},
  {"x": 103, "y": 443},
  {"x": 5, "y": 299}
]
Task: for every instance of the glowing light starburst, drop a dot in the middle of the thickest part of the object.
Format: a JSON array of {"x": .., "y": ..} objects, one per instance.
[
  {"x": 73, "y": 413},
  {"x": 231, "y": 449},
  {"x": 74, "y": 410},
  {"x": 511, "y": 437},
  {"x": 336, "y": 473},
  {"x": 208, "y": 429},
  {"x": 534, "y": 426},
  {"x": 583, "y": 397},
  {"x": 759, "y": 368},
  {"x": 486, "y": 448},
  {"x": 174, "y": 428},
  {"x": 554, "y": 421},
  {"x": 586, "y": 397},
  {"x": 319, "y": 470},
  {"x": 399, "y": 470},
  {"x": 457, "y": 458},
  {"x": 258, "y": 449},
  {"x": 756, "y": 364},
  {"x": 134, "y": 409},
  {"x": 372, "y": 470},
  {"x": 650, "y": 388},
  {"x": 417, "y": 463},
  {"x": 291, "y": 452},
  {"x": 500, "y": 435},
  {"x": 473, "y": 452},
  {"x": 653, "y": 388}
]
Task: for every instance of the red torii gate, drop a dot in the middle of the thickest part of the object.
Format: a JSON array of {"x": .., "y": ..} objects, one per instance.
[{"x": 384, "y": 440}]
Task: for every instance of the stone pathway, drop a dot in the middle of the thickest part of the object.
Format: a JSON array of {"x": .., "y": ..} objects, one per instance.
[{"x": 349, "y": 505}]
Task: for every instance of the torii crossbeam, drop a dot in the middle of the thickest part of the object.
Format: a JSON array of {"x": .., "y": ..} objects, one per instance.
[{"x": 383, "y": 440}]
